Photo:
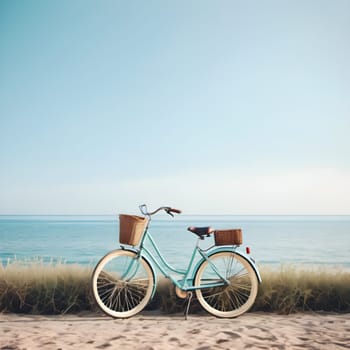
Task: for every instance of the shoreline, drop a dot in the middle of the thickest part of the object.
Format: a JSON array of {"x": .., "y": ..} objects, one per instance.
[{"x": 158, "y": 331}]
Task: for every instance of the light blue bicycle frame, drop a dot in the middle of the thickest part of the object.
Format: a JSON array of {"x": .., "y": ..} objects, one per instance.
[{"x": 186, "y": 283}]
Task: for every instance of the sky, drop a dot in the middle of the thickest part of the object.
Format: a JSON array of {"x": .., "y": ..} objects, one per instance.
[{"x": 212, "y": 107}]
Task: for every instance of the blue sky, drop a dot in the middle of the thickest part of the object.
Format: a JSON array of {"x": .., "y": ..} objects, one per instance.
[{"x": 215, "y": 107}]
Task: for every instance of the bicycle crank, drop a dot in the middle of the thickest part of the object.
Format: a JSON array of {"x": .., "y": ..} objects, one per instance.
[{"x": 182, "y": 294}]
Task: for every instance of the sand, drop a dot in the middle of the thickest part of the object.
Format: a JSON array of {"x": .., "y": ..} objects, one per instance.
[{"x": 158, "y": 331}]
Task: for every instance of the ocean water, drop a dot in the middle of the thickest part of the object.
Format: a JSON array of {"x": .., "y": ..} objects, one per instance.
[{"x": 274, "y": 240}]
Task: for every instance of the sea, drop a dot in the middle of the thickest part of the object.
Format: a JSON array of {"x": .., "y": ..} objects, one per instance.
[{"x": 309, "y": 241}]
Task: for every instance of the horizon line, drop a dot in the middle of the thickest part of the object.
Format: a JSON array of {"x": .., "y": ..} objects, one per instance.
[{"x": 179, "y": 215}]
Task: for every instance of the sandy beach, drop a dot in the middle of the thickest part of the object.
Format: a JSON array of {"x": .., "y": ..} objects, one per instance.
[{"x": 149, "y": 331}]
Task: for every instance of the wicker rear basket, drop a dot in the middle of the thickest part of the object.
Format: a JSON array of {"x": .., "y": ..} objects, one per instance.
[
  {"x": 131, "y": 229},
  {"x": 228, "y": 237}
]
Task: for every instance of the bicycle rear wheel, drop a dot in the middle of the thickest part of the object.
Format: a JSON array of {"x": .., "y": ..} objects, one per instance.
[
  {"x": 122, "y": 283},
  {"x": 226, "y": 300}
]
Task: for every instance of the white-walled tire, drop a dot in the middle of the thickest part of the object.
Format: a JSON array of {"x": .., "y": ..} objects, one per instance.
[
  {"x": 122, "y": 283},
  {"x": 230, "y": 300}
]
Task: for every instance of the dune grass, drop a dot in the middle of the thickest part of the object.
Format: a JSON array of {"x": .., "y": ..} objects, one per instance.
[
  {"x": 38, "y": 288},
  {"x": 57, "y": 288},
  {"x": 292, "y": 289}
]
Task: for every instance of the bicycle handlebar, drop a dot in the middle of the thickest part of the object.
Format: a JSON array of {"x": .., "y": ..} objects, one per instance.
[
  {"x": 168, "y": 210},
  {"x": 177, "y": 211}
]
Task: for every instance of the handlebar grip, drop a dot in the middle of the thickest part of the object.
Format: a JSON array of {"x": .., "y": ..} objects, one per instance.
[{"x": 177, "y": 211}]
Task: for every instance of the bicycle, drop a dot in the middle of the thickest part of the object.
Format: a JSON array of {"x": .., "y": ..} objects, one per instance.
[{"x": 224, "y": 280}]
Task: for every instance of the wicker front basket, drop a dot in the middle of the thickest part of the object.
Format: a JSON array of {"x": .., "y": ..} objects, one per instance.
[
  {"x": 228, "y": 237},
  {"x": 131, "y": 229}
]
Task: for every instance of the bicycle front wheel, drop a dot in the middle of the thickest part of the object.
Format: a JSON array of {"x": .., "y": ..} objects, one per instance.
[
  {"x": 233, "y": 297},
  {"x": 122, "y": 283}
]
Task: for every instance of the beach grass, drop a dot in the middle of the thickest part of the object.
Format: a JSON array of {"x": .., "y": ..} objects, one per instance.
[
  {"x": 40, "y": 288},
  {"x": 57, "y": 288},
  {"x": 294, "y": 288}
]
